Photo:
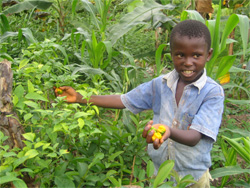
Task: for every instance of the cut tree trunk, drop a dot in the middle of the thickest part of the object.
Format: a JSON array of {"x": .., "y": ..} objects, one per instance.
[
  {"x": 204, "y": 7},
  {"x": 9, "y": 123}
]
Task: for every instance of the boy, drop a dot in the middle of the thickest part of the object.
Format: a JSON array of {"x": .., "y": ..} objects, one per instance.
[{"x": 186, "y": 101}]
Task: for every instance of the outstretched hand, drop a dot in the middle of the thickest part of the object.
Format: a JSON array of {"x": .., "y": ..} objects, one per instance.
[
  {"x": 68, "y": 92},
  {"x": 157, "y": 142}
]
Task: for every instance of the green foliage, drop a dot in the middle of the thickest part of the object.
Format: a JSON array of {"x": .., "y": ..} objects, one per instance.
[{"x": 106, "y": 47}]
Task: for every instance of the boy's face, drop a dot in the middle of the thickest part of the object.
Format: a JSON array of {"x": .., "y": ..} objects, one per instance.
[{"x": 189, "y": 57}]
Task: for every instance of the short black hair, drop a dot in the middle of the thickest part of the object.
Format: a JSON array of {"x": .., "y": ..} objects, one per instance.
[{"x": 191, "y": 29}]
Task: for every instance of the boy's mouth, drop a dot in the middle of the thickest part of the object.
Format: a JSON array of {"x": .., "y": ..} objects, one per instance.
[{"x": 187, "y": 72}]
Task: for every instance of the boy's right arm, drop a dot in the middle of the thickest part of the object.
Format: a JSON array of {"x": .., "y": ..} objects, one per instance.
[{"x": 106, "y": 101}]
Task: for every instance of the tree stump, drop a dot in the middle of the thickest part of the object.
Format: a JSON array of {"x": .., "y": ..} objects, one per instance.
[
  {"x": 204, "y": 7},
  {"x": 9, "y": 123}
]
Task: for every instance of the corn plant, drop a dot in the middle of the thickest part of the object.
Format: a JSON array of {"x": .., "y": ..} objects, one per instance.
[
  {"x": 240, "y": 146},
  {"x": 101, "y": 8}
]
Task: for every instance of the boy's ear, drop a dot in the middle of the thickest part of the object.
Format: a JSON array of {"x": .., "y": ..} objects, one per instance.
[{"x": 210, "y": 52}]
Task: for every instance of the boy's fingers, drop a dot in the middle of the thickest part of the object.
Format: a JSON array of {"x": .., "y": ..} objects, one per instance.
[
  {"x": 156, "y": 143},
  {"x": 145, "y": 131},
  {"x": 147, "y": 128},
  {"x": 149, "y": 136}
]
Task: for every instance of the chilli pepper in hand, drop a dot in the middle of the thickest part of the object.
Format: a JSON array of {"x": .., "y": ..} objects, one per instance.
[{"x": 158, "y": 132}]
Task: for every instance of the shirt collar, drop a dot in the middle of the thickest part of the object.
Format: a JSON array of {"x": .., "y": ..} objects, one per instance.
[{"x": 172, "y": 76}]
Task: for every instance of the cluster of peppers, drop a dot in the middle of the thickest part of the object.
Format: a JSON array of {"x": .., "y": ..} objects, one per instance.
[{"x": 158, "y": 132}]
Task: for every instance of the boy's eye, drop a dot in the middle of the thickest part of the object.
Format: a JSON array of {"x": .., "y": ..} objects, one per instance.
[
  {"x": 196, "y": 56},
  {"x": 179, "y": 55}
]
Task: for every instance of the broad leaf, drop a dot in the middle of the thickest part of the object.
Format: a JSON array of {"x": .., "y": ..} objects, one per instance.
[
  {"x": 28, "y": 5},
  {"x": 225, "y": 64},
  {"x": 35, "y": 96},
  {"x": 228, "y": 171},
  {"x": 163, "y": 172},
  {"x": 140, "y": 15},
  {"x": 64, "y": 181},
  {"x": 244, "y": 29}
]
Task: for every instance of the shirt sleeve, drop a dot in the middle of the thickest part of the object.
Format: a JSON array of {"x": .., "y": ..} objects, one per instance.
[
  {"x": 141, "y": 98},
  {"x": 208, "y": 119}
]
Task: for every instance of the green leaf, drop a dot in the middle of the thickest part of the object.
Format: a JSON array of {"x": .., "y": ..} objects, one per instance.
[
  {"x": 19, "y": 161},
  {"x": 225, "y": 64},
  {"x": 232, "y": 85},
  {"x": 35, "y": 96},
  {"x": 242, "y": 132},
  {"x": 61, "y": 168},
  {"x": 234, "y": 69},
  {"x": 5, "y": 23},
  {"x": 9, "y": 154},
  {"x": 97, "y": 158},
  {"x": 63, "y": 151},
  {"x": 31, "y": 104},
  {"x": 64, "y": 181},
  {"x": 150, "y": 168},
  {"x": 114, "y": 181},
  {"x": 93, "y": 11},
  {"x": 74, "y": 4},
  {"x": 239, "y": 148},
  {"x": 31, "y": 88},
  {"x": 62, "y": 49},
  {"x": 27, "y": 33},
  {"x": 28, "y": 5},
  {"x": 81, "y": 123},
  {"x": 215, "y": 41},
  {"x": 6, "y": 35},
  {"x": 228, "y": 171},
  {"x": 29, "y": 136},
  {"x": 158, "y": 55},
  {"x": 239, "y": 102},
  {"x": 23, "y": 63},
  {"x": 113, "y": 156},
  {"x": 163, "y": 172},
  {"x": 81, "y": 114},
  {"x": 6, "y": 179},
  {"x": 15, "y": 100},
  {"x": 31, "y": 153},
  {"x": 19, "y": 183},
  {"x": 27, "y": 116},
  {"x": 19, "y": 91},
  {"x": 110, "y": 173},
  {"x": 244, "y": 29},
  {"x": 193, "y": 15},
  {"x": 26, "y": 170},
  {"x": 141, "y": 175},
  {"x": 232, "y": 22},
  {"x": 82, "y": 168}
]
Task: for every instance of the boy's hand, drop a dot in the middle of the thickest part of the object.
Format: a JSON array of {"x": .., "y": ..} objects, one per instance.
[
  {"x": 157, "y": 142},
  {"x": 69, "y": 92}
]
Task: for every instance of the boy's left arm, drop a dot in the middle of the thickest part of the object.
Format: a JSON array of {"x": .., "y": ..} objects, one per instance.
[
  {"x": 206, "y": 122},
  {"x": 187, "y": 137}
]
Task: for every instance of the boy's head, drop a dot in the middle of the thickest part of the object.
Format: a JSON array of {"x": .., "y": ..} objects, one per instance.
[
  {"x": 190, "y": 43},
  {"x": 191, "y": 29}
]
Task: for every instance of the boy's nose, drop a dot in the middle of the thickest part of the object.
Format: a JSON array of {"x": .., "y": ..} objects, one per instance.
[{"x": 188, "y": 62}]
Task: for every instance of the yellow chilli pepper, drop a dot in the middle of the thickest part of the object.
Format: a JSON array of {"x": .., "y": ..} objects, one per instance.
[
  {"x": 161, "y": 129},
  {"x": 59, "y": 91},
  {"x": 156, "y": 135}
]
